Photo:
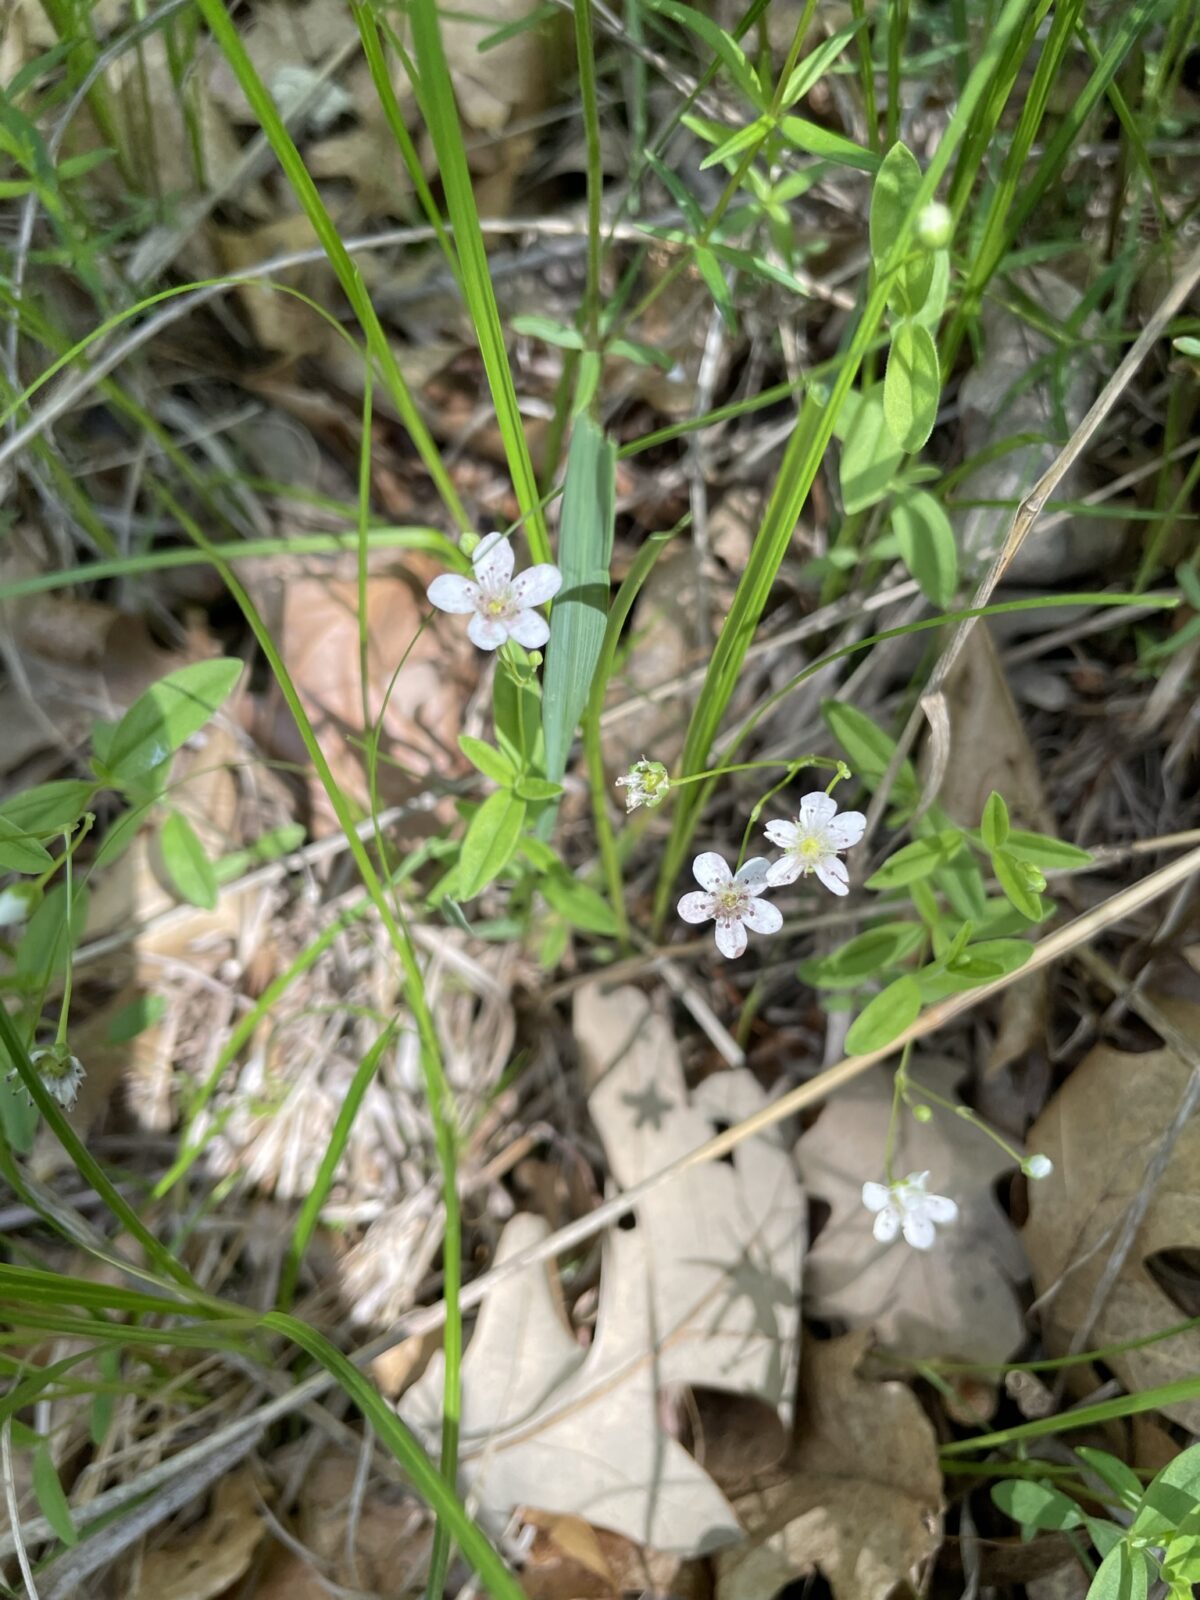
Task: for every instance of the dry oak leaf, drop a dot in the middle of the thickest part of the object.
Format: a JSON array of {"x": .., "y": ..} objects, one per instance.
[
  {"x": 862, "y": 1504},
  {"x": 211, "y": 1555},
  {"x": 1101, "y": 1130},
  {"x": 955, "y": 1300},
  {"x": 702, "y": 1290}
]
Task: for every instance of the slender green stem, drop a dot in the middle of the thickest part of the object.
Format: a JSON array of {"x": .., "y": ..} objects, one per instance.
[
  {"x": 586, "y": 54},
  {"x": 622, "y": 605}
]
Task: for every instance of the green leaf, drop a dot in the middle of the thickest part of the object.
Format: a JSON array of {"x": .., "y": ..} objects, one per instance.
[
  {"x": 187, "y": 863},
  {"x": 927, "y": 546},
  {"x": 581, "y": 609},
  {"x": 934, "y": 304},
  {"x": 490, "y": 842},
  {"x": 1105, "y": 1535},
  {"x": 1035, "y": 1505},
  {"x": 644, "y": 355},
  {"x": 709, "y": 269},
  {"x": 817, "y": 63},
  {"x": 1016, "y": 888},
  {"x": 50, "y": 1497},
  {"x": 135, "y": 1018},
  {"x": 726, "y": 49},
  {"x": 817, "y": 141},
  {"x": 535, "y": 789},
  {"x": 911, "y": 386},
  {"x": 870, "y": 456},
  {"x": 517, "y": 720},
  {"x": 579, "y": 904},
  {"x": 868, "y": 749},
  {"x": 121, "y": 834},
  {"x": 742, "y": 139},
  {"x": 49, "y": 808},
  {"x": 1120, "y": 1576},
  {"x": 994, "y": 830},
  {"x": 893, "y": 195},
  {"x": 494, "y": 764},
  {"x": 1171, "y": 1495},
  {"x": 20, "y": 851},
  {"x": 545, "y": 328},
  {"x": 1122, "y": 1480},
  {"x": 886, "y": 1016},
  {"x": 47, "y": 942},
  {"x": 863, "y": 957},
  {"x": 917, "y": 860},
  {"x": 1040, "y": 850},
  {"x": 167, "y": 715}
]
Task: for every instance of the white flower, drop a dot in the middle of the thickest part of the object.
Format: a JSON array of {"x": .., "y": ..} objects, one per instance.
[
  {"x": 905, "y": 1207},
  {"x": 812, "y": 842},
  {"x": 1037, "y": 1166},
  {"x": 645, "y": 784},
  {"x": 61, "y": 1074},
  {"x": 734, "y": 903},
  {"x": 500, "y": 606}
]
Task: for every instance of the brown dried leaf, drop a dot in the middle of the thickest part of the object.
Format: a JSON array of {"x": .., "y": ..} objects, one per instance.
[
  {"x": 989, "y": 745},
  {"x": 1100, "y": 1130},
  {"x": 314, "y": 621},
  {"x": 212, "y": 1554},
  {"x": 863, "y": 1502},
  {"x": 702, "y": 1290},
  {"x": 955, "y": 1300}
]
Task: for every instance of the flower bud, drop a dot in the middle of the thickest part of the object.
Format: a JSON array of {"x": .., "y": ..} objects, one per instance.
[
  {"x": 1037, "y": 1166},
  {"x": 935, "y": 226}
]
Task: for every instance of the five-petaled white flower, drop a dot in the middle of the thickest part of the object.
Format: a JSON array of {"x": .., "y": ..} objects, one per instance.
[
  {"x": 904, "y": 1207},
  {"x": 812, "y": 842},
  {"x": 500, "y": 605},
  {"x": 734, "y": 903},
  {"x": 61, "y": 1074},
  {"x": 645, "y": 784}
]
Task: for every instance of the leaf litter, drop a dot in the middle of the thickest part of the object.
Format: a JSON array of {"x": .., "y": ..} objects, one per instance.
[{"x": 703, "y": 1290}]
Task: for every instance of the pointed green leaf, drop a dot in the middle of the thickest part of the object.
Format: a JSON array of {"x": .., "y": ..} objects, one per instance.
[
  {"x": 870, "y": 455},
  {"x": 187, "y": 863},
  {"x": 1035, "y": 1504},
  {"x": 993, "y": 830},
  {"x": 50, "y": 1497},
  {"x": 20, "y": 851},
  {"x": 167, "y": 715},
  {"x": 490, "y": 842},
  {"x": 927, "y": 547},
  {"x": 494, "y": 764},
  {"x": 917, "y": 860}
]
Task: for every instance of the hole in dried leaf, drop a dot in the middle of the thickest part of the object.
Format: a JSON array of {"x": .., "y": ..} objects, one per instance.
[
  {"x": 812, "y": 1587},
  {"x": 1177, "y": 1274}
]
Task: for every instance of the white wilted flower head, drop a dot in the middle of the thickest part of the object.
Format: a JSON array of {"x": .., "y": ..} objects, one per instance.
[
  {"x": 812, "y": 843},
  {"x": 645, "y": 784},
  {"x": 1037, "y": 1166},
  {"x": 500, "y": 605},
  {"x": 734, "y": 903},
  {"x": 905, "y": 1207},
  {"x": 61, "y": 1073}
]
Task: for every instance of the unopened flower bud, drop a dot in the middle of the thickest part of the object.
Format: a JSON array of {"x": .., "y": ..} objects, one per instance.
[
  {"x": 935, "y": 226},
  {"x": 1037, "y": 1166}
]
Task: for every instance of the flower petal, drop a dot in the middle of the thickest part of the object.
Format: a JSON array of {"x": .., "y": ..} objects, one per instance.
[
  {"x": 452, "y": 593},
  {"x": 530, "y": 629},
  {"x": 695, "y": 907},
  {"x": 876, "y": 1196},
  {"x": 833, "y": 875},
  {"x": 493, "y": 560},
  {"x": 815, "y": 809},
  {"x": 887, "y": 1224},
  {"x": 918, "y": 1230},
  {"x": 939, "y": 1208},
  {"x": 536, "y": 585},
  {"x": 846, "y": 830},
  {"x": 486, "y": 632},
  {"x": 711, "y": 871},
  {"x": 763, "y": 917},
  {"x": 731, "y": 938},
  {"x": 786, "y": 870},
  {"x": 783, "y": 834},
  {"x": 752, "y": 871}
]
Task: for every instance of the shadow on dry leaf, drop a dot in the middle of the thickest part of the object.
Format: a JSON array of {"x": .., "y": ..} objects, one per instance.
[{"x": 1100, "y": 1130}]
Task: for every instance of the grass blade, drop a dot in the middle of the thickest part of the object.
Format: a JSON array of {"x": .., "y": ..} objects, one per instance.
[{"x": 577, "y": 623}]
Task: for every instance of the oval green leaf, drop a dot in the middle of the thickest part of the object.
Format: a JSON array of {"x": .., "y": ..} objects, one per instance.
[
  {"x": 490, "y": 842},
  {"x": 927, "y": 546},
  {"x": 888, "y": 1014},
  {"x": 917, "y": 860},
  {"x": 911, "y": 386}
]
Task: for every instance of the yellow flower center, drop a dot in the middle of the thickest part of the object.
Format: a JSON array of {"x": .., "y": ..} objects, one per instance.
[{"x": 811, "y": 849}]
